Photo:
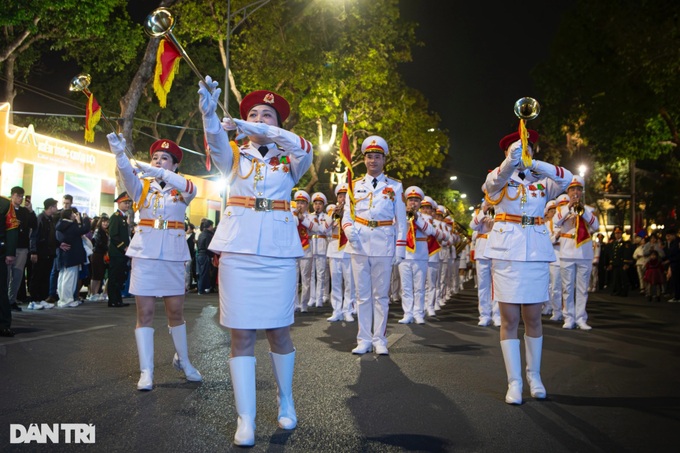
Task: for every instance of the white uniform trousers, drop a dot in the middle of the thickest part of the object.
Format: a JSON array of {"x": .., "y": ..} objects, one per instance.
[
  {"x": 488, "y": 308},
  {"x": 444, "y": 281},
  {"x": 455, "y": 276},
  {"x": 14, "y": 274},
  {"x": 413, "y": 274},
  {"x": 319, "y": 280},
  {"x": 327, "y": 282},
  {"x": 342, "y": 285},
  {"x": 304, "y": 274},
  {"x": 372, "y": 279},
  {"x": 432, "y": 285},
  {"x": 395, "y": 285},
  {"x": 555, "y": 288},
  {"x": 575, "y": 281}
]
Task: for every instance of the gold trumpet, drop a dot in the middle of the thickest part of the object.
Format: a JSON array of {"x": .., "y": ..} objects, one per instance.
[
  {"x": 578, "y": 208},
  {"x": 81, "y": 83},
  {"x": 527, "y": 108},
  {"x": 159, "y": 24},
  {"x": 410, "y": 214}
]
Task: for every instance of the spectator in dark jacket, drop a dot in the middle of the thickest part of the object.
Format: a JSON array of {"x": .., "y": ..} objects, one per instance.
[
  {"x": 27, "y": 221},
  {"x": 672, "y": 252},
  {"x": 43, "y": 250},
  {"x": 100, "y": 250},
  {"x": 70, "y": 229}
]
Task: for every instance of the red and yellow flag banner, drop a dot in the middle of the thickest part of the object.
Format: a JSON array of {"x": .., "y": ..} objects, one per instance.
[
  {"x": 93, "y": 113},
  {"x": 346, "y": 157},
  {"x": 167, "y": 65}
]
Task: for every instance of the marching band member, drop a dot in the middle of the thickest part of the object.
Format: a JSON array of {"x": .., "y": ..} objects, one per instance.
[
  {"x": 158, "y": 249},
  {"x": 304, "y": 263},
  {"x": 482, "y": 224},
  {"x": 519, "y": 245},
  {"x": 554, "y": 305},
  {"x": 432, "y": 285},
  {"x": 321, "y": 228},
  {"x": 258, "y": 242},
  {"x": 342, "y": 282},
  {"x": 413, "y": 270},
  {"x": 377, "y": 239},
  {"x": 577, "y": 222}
]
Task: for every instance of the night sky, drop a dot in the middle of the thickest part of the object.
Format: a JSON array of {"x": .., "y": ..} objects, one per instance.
[{"x": 475, "y": 64}]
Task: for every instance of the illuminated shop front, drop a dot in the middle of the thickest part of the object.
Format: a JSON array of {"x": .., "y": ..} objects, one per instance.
[{"x": 47, "y": 167}]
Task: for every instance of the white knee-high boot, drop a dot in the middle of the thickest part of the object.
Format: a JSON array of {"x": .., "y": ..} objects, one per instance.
[
  {"x": 181, "y": 360},
  {"x": 144, "y": 337},
  {"x": 284, "y": 365},
  {"x": 242, "y": 371},
  {"x": 534, "y": 347},
  {"x": 513, "y": 368}
]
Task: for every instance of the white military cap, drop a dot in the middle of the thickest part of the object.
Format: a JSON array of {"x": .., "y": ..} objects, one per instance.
[
  {"x": 441, "y": 210},
  {"x": 374, "y": 144},
  {"x": 577, "y": 181},
  {"x": 549, "y": 205},
  {"x": 318, "y": 196},
  {"x": 330, "y": 208},
  {"x": 414, "y": 192},
  {"x": 301, "y": 195},
  {"x": 341, "y": 188},
  {"x": 428, "y": 201},
  {"x": 562, "y": 199}
]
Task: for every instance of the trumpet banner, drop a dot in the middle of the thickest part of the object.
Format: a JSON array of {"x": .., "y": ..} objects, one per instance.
[
  {"x": 93, "y": 113},
  {"x": 167, "y": 65}
]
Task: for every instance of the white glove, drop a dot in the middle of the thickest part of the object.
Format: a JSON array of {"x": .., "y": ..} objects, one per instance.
[
  {"x": 150, "y": 170},
  {"x": 228, "y": 124},
  {"x": 116, "y": 143},
  {"x": 248, "y": 128},
  {"x": 352, "y": 234},
  {"x": 396, "y": 260},
  {"x": 208, "y": 95},
  {"x": 515, "y": 153}
]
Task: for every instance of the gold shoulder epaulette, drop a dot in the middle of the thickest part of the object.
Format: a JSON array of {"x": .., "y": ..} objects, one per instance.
[{"x": 393, "y": 179}]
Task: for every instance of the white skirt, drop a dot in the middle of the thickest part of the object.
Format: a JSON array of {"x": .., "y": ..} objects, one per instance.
[
  {"x": 520, "y": 282},
  {"x": 157, "y": 278},
  {"x": 256, "y": 292}
]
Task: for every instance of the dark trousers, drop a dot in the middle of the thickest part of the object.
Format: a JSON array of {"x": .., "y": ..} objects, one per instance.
[
  {"x": 117, "y": 276},
  {"x": 674, "y": 283},
  {"x": 54, "y": 279},
  {"x": 39, "y": 285},
  {"x": 619, "y": 286},
  {"x": 5, "y": 311},
  {"x": 204, "y": 265}
]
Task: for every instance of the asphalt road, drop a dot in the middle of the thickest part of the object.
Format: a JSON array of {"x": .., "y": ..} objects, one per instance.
[{"x": 441, "y": 389}]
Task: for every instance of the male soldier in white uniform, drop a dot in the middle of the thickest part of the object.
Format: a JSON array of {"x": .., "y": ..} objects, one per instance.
[
  {"x": 577, "y": 222},
  {"x": 413, "y": 270},
  {"x": 377, "y": 238},
  {"x": 304, "y": 263},
  {"x": 482, "y": 224},
  {"x": 343, "y": 294},
  {"x": 321, "y": 229},
  {"x": 432, "y": 285},
  {"x": 554, "y": 304}
]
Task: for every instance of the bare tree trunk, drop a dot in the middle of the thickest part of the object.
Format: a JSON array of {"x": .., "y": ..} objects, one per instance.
[{"x": 10, "y": 92}]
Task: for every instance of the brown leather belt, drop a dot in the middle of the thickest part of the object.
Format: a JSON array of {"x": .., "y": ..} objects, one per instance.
[
  {"x": 482, "y": 236},
  {"x": 523, "y": 220},
  {"x": 259, "y": 204},
  {"x": 568, "y": 236},
  {"x": 159, "y": 224},
  {"x": 374, "y": 223},
  {"x": 336, "y": 236}
]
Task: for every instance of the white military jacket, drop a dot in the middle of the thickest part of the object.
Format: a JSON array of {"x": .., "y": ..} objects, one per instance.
[
  {"x": 160, "y": 204},
  {"x": 566, "y": 220},
  {"x": 321, "y": 227},
  {"x": 481, "y": 224},
  {"x": 384, "y": 203},
  {"x": 269, "y": 180},
  {"x": 334, "y": 250},
  {"x": 517, "y": 196}
]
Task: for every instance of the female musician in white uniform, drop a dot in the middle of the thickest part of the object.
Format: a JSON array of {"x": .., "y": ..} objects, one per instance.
[
  {"x": 258, "y": 242},
  {"x": 520, "y": 249},
  {"x": 158, "y": 249}
]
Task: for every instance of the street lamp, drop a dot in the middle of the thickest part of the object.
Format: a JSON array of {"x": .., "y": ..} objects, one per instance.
[
  {"x": 582, "y": 170},
  {"x": 453, "y": 178},
  {"x": 463, "y": 195}
]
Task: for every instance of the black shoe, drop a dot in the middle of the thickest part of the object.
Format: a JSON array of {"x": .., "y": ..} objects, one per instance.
[
  {"x": 122, "y": 304},
  {"x": 7, "y": 332},
  {"x": 15, "y": 307}
]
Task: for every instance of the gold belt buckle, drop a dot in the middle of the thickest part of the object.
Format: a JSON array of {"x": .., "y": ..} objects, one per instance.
[
  {"x": 372, "y": 224},
  {"x": 160, "y": 224},
  {"x": 263, "y": 204}
]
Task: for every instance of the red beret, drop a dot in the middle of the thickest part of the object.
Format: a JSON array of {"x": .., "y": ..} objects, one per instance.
[
  {"x": 167, "y": 146},
  {"x": 264, "y": 97},
  {"x": 512, "y": 138}
]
